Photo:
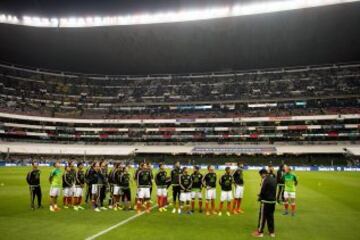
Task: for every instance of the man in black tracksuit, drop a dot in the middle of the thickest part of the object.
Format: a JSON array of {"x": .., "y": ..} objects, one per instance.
[
  {"x": 33, "y": 179},
  {"x": 280, "y": 184},
  {"x": 267, "y": 198}
]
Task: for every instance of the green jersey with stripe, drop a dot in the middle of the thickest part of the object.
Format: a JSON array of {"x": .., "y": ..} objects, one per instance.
[
  {"x": 290, "y": 180},
  {"x": 56, "y": 177}
]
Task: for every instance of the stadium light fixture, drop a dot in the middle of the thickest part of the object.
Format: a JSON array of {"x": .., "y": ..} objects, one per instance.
[{"x": 170, "y": 16}]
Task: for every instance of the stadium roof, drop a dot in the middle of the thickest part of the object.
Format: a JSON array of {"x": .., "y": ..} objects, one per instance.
[{"x": 309, "y": 36}]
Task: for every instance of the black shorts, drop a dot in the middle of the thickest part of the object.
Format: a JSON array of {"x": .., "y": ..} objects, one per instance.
[{"x": 126, "y": 194}]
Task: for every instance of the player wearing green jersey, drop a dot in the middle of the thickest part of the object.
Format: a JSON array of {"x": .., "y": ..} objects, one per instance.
[
  {"x": 291, "y": 182},
  {"x": 55, "y": 186}
]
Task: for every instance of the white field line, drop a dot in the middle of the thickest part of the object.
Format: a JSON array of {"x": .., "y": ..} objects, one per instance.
[{"x": 117, "y": 225}]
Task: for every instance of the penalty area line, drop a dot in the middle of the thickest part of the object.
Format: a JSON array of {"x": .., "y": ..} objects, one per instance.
[{"x": 117, "y": 225}]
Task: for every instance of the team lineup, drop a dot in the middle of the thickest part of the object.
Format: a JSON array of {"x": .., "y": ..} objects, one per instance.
[{"x": 188, "y": 186}]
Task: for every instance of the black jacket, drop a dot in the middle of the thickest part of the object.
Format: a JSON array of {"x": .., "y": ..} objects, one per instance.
[
  {"x": 33, "y": 177},
  {"x": 268, "y": 190}
]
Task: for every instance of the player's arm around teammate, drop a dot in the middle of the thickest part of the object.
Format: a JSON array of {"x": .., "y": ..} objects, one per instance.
[
  {"x": 239, "y": 188},
  {"x": 79, "y": 186},
  {"x": 226, "y": 182},
  {"x": 161, "y": 185},
  {"x": 209, "y": 182},
  {"x": 196, "y": 191},
  {"x": 185, "y": 182}
]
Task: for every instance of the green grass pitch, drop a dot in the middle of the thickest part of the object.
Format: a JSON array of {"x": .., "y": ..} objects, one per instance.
[{"x": 328, "y": 205}]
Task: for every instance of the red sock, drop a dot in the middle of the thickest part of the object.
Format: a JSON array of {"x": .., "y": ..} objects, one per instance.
[
  {"x": 286, "y": 206},
  {"x": 139, "y": 205},
  {"x": 212, "y": 205},
  {"x": 234, "y": 204},
  {"x": 229, "y": 206},
  {"x": 239, "y": 203},
  {"x": 221, "y": 206},
  {"x": 207, "y": 206},
  {"x": 293, "y": 206},
  {"x": 148, "y": 205},
  {"x": 192, "y": 205},
  {"x": 200, "y": 204}
]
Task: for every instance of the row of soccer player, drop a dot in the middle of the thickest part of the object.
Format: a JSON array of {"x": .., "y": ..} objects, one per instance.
[{"x": 186, "y": 187}]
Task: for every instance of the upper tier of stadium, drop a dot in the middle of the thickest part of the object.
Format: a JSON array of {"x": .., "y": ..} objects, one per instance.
[{"x": 309, "y": 90}]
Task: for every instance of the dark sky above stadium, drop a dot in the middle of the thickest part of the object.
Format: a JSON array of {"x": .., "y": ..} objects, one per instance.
[
  {"x": 301, "y": 37},
  {"x": 89, "y": 7}
]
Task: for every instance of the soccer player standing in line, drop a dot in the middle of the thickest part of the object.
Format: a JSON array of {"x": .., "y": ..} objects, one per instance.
[
  {"x": 160, "y": 180},
  {"x": 144, "y": 181},
  {"x": 185, "y": 182},
  {"x": 175, "y": 173},
  {"x": 239, "y": 189},
  {"x": 79, "y": 185},
  {"x": 111, "y": 181},
  {"x": 115, "y": 180},
  {"x": 280, "y": 184},
  {"x": 55, "y": 186},
  {"x": 68, "y": 182},
  {"x": 267, "y": 198},
  {"x": 95, "y": 180},
  {"x": 291, "y": 182},
  {"x": 33, "y": 180},
  {"x": 103, "y": 183},
  {"x": 125, "y": 188},
  {"x": 88, "y": 173},
  {"x": 226, "y": 182},
  {"x": 209, "y": 181},
  {"x": 196, "y": 190}
]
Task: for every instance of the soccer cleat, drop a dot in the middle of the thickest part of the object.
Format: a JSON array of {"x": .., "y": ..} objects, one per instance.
[
  {"x": 240, "y": 211},
  {"x": 66, "y": 207},
  {"x": 160, "y": 209},
  {"x": 257, "y": 234},
  {"x": 214, "y": 213},
  {"x": 81, "y": 208},
  {"x": 147, "y": 210},
  {"x": 286, "y": 213},
  {"x": 207, "y": 213},
  {"x": 103, "y": 208},
  {"x": 220, "y": 214},
  {"x": 52, "y": 209},
  {"x": 272, "y": 235},
  {"x": 228, "y": 214},
  {"x": 76, "y": 208},
  {"x": 110, "y": 207},
  {"x": 174, "y": 210},
  {"x": 115, "y": 208},
  {"x": 164, "y": 209},
  {"x": 179, "y": 211},
  {"x": 138, "y": 211},
  {"x": 97, "y": 210}
]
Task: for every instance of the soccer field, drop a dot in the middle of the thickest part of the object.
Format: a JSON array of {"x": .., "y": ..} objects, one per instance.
[{"x": 327, "y": 208}]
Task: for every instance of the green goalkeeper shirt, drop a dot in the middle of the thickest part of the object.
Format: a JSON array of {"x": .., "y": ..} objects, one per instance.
[
  {"x": 56, "y": 178},
  {"x": 290, "y": 180}
]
